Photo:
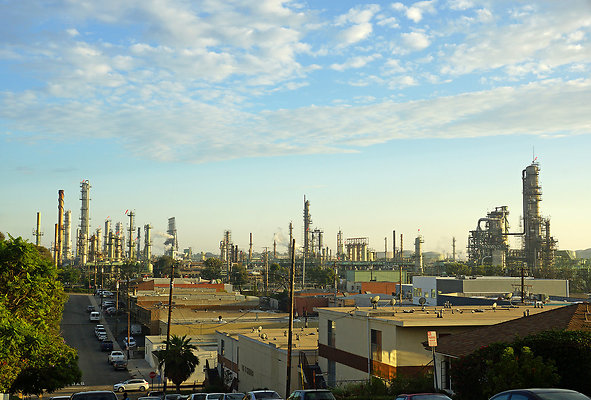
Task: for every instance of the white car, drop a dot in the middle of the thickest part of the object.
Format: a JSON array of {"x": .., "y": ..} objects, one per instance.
[
  {"x": 131, "y": 342},
  {"x": 262, "y": 395},
  {"x": 131, "y": 384},
  {"x": 94, "y": 316}
]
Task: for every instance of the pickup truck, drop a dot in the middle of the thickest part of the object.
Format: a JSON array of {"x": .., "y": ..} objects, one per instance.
[
  {"x": 116, "y": 355},
  {"x": 106, "y": 345}
]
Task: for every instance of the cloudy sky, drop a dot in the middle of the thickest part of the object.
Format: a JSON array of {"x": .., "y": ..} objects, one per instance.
[{"x": 224, "y": 114}]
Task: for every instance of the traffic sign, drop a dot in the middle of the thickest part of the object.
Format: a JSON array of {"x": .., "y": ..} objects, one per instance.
[
  {"x": 432, "y": 338},
  {"x": 152, "y": 374}
]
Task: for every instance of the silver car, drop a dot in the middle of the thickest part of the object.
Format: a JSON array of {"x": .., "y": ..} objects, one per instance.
[{"x": 131, "y": 384}]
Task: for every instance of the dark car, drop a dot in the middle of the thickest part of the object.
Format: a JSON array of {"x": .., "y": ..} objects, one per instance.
[
  {"x": 94, "y": 395},
  {"x": 106, "y": 345},
  {"x": 120, "y": 364},
  {"x": 90, "y": 309},
  {"x": 539, "y": 394},
  {"x": 422, "y": 396},
  {"x": 311, "y": 394}
]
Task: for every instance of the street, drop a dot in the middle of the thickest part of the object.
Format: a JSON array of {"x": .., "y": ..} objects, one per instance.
[{"x": 78, "y": 333}]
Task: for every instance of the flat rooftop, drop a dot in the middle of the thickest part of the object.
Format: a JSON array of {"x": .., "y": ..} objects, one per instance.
[
  {"x": 407, "y": 316},
  {"x": 302, "y": 338}
]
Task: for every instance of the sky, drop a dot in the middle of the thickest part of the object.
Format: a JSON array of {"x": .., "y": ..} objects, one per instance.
[{"x": 410, "y": 116}]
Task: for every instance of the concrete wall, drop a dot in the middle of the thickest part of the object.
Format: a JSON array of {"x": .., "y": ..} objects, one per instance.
[{"x": 425, "y": 286}]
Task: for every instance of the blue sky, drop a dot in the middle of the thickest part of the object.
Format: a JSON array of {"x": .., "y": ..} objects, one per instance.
[{"x": 386, "y": 115}]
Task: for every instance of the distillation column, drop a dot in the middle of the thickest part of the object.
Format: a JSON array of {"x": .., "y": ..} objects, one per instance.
[
  {"x": 67, "y": 245},
  {"x": 532, "y": 222},
  {"x": 419, "y": 254},
  {"x": 148, "y": 246},
  {"x": 84, "y": 221}
]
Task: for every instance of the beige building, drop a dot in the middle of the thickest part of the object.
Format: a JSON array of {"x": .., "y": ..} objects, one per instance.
[
  {"x": 356, "y": 343},
  {"x": 206, "y": 352},
  {"x": 257, "y": 358}
]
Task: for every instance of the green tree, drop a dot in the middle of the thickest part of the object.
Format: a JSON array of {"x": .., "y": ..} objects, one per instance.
[
  {"x": 34, "y": 356},
  {"x": 69, "y": 275},
  {"x": 212, "y": 269},
  {"x": 179, "y": 361},
  {"x": 239, "y": 275},
  {"x": 321, "y": 276},
  {"x": 457, "y": 269},
  {"x": 163, "y": 266},
  {"x": 279, "y": 275}
]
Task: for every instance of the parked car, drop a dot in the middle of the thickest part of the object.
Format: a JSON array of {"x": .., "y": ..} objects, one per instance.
[
  {"x": 154, "y": 393},
  {"x": 198, "y": 396},
  {"x": 540, "y": 394},
  {"x": 312, "y": 394},
  {"x": 423, "y": 396},
  {"x": 60, "y": 398},
  {"x": 262, "y": 394},
  {"x": 99, "y": 332},
  {"x": 106, "y": 345},
  {"x": 102, "y": 335},
  {"x": 90, "y": 309},
  {"x": 111, "y": 311},
  {"x": 121, "y": 365},
  {"x": 150, "y": 398},
  {"x": 173, "y": 396},
  {"x": 94, "y": 316},
  {"x": 131, "y": 344},
  {"x": 233, "y": 396},
  {"x": 214, "y": 396},
  {"x": 116, "y": 355},
  {"x": 94, "y": 395},
  {"x": 131, "y": 384}
]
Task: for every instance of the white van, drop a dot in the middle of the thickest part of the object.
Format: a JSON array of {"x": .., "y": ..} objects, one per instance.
[{"x": 95, "y": 316}]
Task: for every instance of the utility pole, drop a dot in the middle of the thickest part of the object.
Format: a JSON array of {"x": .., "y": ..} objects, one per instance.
[
  {"x": 128, "y": 317},
  {"x": 290, "y": 328},
  {"x": 169, "y": 320}
]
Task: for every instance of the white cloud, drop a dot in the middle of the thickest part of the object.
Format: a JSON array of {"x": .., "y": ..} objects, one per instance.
[
  {"x": 355, "y": 62},
  {"x": 416, "y": 40},
  {"x": 355, "y": 33},
  {"x": 72, "y": 32},
  {"x": 460, "y": 4},
  {"x": 358, "y": 22}
]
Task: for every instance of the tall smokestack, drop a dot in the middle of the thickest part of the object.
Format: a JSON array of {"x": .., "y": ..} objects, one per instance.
[
  {"x": 60, "y": 226},
  {"x": 401, "y": 248},
  {"x": 37, "y": 232},
  {"x": 138, "y": 251},
  {"x": 250, "y": 249},
  {"x": 274, "y": 248},
  {"x": 453, "y": 254},
  {"x": 130, "y": 244},
  {"x": 394, "y": 245},
  {"x": 386, "y": 249}
]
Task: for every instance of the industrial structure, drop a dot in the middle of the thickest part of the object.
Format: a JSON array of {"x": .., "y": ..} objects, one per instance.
[
  {"x": 488, "y": 244},
  {"x": 419, "y": 254},
  {"x": 67, "y": 242},
  {"x": 357, "y": 249},
  {"x": 83, "y": 233},
  {"x": 172, "y": 239}
]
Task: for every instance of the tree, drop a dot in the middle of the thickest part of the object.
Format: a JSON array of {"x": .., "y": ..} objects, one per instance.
[
  {"x": 500, "y": 366},
  {"x": 34, "y": 356},
  {"x": 212, "y": 269},
  {"x": 239, "y": 275},
  {"x": 279, "y": 275},
  {"x": 163, "y": 266},
  {"x": 179, "y": 361},
  {"x": 321, "y": 276}
]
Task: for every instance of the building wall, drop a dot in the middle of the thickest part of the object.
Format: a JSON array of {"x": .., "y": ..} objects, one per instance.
[
  {"x": 424, "y": 286},
  {"x": 551, "y": 287},
  {"x": 258, "y": 364},
  {"x": 375, "y": 275},
  {"x": 203, "y": 352},
  {"x": 402, "y": 346}
]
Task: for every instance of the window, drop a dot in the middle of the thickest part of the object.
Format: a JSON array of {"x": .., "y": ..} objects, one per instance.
[
  {"x": 222, "y": 347},
  {"x": 376, "y": 345},
  {"x": 331, "y": 333}
]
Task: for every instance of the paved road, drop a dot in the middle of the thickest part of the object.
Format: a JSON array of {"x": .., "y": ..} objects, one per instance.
[{"x": 78, "y": 332}]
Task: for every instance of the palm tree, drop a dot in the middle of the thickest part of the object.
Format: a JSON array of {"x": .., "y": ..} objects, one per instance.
[{"x": 179, "y": 361}]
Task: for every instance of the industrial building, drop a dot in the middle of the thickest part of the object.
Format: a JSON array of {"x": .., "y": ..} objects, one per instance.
[
  {"x": 488, "y": 244},
  {"x": 437, "y": 290},
  {"x": 257, "y": 358},
  {"x": 357, "y": 343}
]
